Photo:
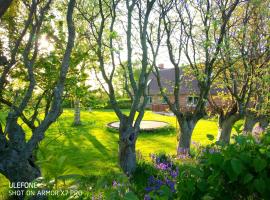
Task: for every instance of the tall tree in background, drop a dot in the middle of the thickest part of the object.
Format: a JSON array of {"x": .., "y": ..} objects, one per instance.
[
  {"x": 259, "y": 53},
  {"x": 245, "y": 58},
  {"x": 76, "y": 84},
  {"x": 102, "y": 21},
  {"x": 17, "y": 157},
  {"x": 201, "y": 27}
]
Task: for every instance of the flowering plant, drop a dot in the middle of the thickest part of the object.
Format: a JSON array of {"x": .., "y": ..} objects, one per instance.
[{"x": 163, "y": 184}]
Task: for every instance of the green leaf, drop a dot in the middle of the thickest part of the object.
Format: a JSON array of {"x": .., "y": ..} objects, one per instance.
[
  {"x": 208, "y": 197},
  {"x": 259, "y": 185},
  {"x": 229, "y": 171},
  {"x": 166, "y": 192},
  {"x": 237, "y": 166},
  {"x": 130, "y": 196},
  {"x": 113, "y": 34},
  {"x": 245, "y": 157},
  {"x": 259, "y": 164},
  {"x": 216, "y": 159},
  {"x": 210, "y": 137},
  {"x": 247, "y": 178},
  {"x": 202, "y": 186}
]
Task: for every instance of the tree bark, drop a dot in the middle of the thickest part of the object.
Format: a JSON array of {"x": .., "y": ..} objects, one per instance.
[
  {"x": 77, "y": 112},
  {"x": 127, "y": 152},
  {"x": 15, "y": 164},
  {"x": 264, "y": 121},
  {"x": 4, "y": 6},
  {"x": 250, "y": 122},
  {"x": 225, "y": 125},
  {"x": 185, "y": 133},
  {"x": 18, "y": 168}
]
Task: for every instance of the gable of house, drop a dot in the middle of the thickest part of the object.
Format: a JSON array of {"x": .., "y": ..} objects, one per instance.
[{"x": 188, "y": 83}]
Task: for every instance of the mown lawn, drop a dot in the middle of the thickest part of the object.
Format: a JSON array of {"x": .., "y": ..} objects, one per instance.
[{"x": 91, "y": 149}]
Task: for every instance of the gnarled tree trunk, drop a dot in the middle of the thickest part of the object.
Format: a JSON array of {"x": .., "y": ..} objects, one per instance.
[
  {"x": 17, "y": 169},
  {"x": 264, "y": 121},
  {"x": 14, "y": 163},
  {"x": 186, "y": 128},
  {"x": 127, "y": 151},
  {"x": 225, "y": 125},
  {"x": 77, "y": 112},
  {"x": 250, "y": 121}
]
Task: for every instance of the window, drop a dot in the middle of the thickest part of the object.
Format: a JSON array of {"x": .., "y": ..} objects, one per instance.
[
  {"x": 149, "y": 100},
  {"x": 192, "y": 101},
  {"x": 163, "y": 101},
  {"x": 195, "y": 100}
]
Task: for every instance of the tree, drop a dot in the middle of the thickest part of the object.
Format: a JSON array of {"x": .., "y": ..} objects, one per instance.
[
  {"x": 258, "y": 109},
  {"x": 201, "y": 27},
  {"x": 5, "y": 4},
  {"x": 244, "y": 57},
  {"x": 121, "y": 81},
  {"x": 76, "y": 86},
  {"x": 17, "y": 154},
  {"x": 102, "y": 22}
]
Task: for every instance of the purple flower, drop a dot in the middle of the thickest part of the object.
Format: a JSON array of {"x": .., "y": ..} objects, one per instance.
[
  {"x": 115, "y": 184},
  {"x": 147, "y": 197},
  {"x": 174, "y": 173},
  {"x": 212, "y": 151},
  {"x": 159, "y": 182},
  {"x": 151, "y": 180},
  {"x": 183, "y": 156},
  {"x": 170, "y": 184},
  {"x": 148, "y": 189},
  {"x": 162, "y": 166},
  {"x": 152, "y": 156}
]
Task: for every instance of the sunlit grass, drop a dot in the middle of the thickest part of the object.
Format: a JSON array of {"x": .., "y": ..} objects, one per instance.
[{"x": 91, "y": 149}]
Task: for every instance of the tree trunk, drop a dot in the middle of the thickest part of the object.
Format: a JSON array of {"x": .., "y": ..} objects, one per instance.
[
  {"x": 264, "y": 122},
  {"x": 18, "y": 169},
  {"x": 77, "y": 112},
  {"x": 186, "y": 128},
  {"x": 15, "y": 164},
  {"x": 127, "y": 152},
  {"x": 250, "y": 122},
  {"x": 225, "y": 125},
  {"x": 4, "y": 6}
]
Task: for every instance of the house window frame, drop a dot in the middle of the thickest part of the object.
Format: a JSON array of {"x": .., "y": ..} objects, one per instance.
[
  {"x": 150, "y": 100},
  {"x": 163, "y": 101},
  {"x": 192, "y": 100}
]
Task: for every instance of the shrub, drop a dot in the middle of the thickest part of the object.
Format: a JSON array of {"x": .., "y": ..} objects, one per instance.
[
  {"x": 237, "y": 171},
  {"x": 111, "y": 186},
  {"x": 122, "y": 103},
  {"x": 156, "y": 180}
]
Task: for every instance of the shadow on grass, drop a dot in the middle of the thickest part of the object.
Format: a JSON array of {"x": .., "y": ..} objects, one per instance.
[
  {"x": 84, "y": 151},
  {"x": 95, "y": 142}
]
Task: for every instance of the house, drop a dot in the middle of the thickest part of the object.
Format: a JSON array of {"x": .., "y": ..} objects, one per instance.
[{"x": 189, "y": 90}]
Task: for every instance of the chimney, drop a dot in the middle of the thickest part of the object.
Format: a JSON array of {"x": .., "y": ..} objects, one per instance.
[{"x": 161, "y": 66}]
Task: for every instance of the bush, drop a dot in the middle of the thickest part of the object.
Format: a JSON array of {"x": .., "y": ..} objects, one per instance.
[
  {"x": 236, "y": 171},
  {"x": 111, "y": 186},
  {"x": 67, "y": 103},
  {"x": 156, "y": 180},
  {"x": 122, "y": 103}
]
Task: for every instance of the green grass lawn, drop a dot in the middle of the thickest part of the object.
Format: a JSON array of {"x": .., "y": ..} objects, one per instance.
[{"x": 91, "y": 149}]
